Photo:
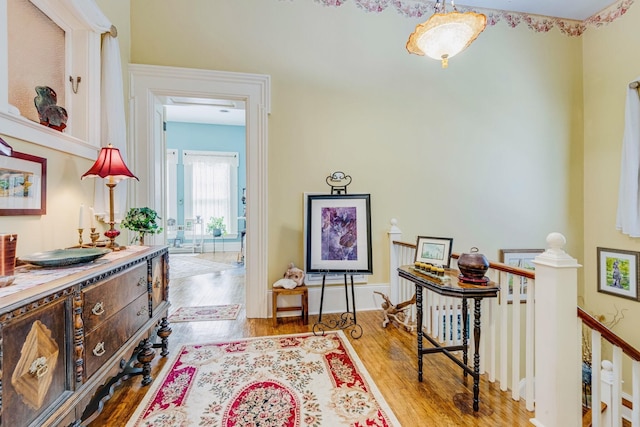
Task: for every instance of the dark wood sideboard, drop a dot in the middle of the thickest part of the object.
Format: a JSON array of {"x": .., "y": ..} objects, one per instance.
[{"x": 68, "y": 342}]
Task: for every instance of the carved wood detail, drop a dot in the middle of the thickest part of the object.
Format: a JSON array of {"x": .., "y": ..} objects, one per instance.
[
  {"x": 24, "y": 310},
  {"x": 35, "y": 369},
  {"x": 78, "y": 336}
]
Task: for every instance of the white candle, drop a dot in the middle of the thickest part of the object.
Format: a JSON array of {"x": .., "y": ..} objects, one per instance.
[
  {"x": 81, "y": 216},
  {"x": 92, "y": 216}
]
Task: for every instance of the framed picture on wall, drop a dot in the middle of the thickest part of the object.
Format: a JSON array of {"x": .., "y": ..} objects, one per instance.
[
  {"x": 23, "y": 184},
  {"x": 520, "y": 258},
  {"x": 618, "y": 273},
  {"x": 338, "y": 234}
]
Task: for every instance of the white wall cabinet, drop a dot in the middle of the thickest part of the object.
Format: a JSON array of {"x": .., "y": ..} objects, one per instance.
[{"x": 82, "y": 58}]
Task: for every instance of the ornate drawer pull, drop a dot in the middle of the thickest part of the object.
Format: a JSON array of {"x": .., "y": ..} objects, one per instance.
[
  {"x": 39, "y": 367},
  {"x": 142, "y": 311},
  {"x": 99, "y": 350},
  {"x": 142, "y": 282},
  {"x": 98, "y": 309},
  {"x": 156, "y": 284}
]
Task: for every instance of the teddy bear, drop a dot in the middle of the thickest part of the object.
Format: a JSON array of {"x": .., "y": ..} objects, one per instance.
[{"x": 292, "y": 278}]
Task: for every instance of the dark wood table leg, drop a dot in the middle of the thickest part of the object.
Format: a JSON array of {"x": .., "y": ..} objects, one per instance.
[
  {"x": 163, "y": 333},
  {"x": 145, "y": 356},
  {"x": 465, "y": 332},
  {"x": 419, "y": 326},
  {"x": 476, "y": 353}
]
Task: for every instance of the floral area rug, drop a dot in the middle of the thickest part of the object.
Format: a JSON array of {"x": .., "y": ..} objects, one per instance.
[
  {"x": 204, "y": 313},
  {"x": 286, "y": 380},
  {"x": 186, "y": 265}
]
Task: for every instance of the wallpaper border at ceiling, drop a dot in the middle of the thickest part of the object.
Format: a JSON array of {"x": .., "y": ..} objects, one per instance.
[{"x": 537, "y": 23}]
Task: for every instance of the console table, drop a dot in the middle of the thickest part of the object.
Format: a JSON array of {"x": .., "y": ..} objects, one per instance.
[
  {"x": 69, "y": 335},
  {"x": 452, "y": 288}
]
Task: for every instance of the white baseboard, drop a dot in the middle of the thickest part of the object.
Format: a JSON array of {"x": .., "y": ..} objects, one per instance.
[{"x": 334, "y": 299}]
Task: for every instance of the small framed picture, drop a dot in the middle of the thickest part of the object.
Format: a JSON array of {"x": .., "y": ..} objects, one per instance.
[
  {"x": 188, "y": 224},
  {"x": 521, "y": 258},
  {"x": 618, "y": 272},
  {"x": 23, "y": 185},
  {"x": 434, "y": 250}
]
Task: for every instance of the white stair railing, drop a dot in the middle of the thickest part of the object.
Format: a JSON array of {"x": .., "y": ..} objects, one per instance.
[
  {"x": 507, "y": 347},
  {"x": 508, "y": 336},
  {"x": 606, "y": 383}
]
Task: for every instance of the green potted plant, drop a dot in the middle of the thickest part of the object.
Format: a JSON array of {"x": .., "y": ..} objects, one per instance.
[
  {"x": 142, "y": 221},
  {"x": 216, "y": 226}
]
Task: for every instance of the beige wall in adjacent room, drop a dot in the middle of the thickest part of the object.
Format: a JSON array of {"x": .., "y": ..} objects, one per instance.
[
  {"x": 486, "y": 151},
  {"x": 610, "y": 63}
]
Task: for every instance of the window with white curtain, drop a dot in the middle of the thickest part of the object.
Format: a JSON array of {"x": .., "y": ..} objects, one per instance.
[
  {"x": 172, "y": 192},
  {"x": 211, "y": 186}
]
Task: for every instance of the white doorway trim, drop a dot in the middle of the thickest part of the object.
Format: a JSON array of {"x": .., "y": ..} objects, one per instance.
[{"x": 147, "y": 151}]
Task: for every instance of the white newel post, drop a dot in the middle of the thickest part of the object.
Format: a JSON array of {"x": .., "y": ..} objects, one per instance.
[
  {"x": 557, "y": 344},
  {"x": 395, "y": 234}
]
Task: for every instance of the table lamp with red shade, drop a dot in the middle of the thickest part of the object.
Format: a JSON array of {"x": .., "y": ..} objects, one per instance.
[{"x": 110, "y": 165}]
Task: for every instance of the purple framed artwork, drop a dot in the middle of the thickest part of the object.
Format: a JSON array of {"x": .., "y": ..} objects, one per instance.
[{"x": 338, "y": 235}]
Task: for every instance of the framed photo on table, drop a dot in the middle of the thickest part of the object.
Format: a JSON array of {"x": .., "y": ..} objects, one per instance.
[
  {"x": 521, "y": 258},
  {"x": 618, "y": 273},
  {"x": 434, "y": 250},
  {"x": 338, "y": 233},
  {"x": 23, "y": 184}
]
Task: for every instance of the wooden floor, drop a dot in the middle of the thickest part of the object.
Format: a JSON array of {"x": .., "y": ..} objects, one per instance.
[{"x": 389, "y": 354}]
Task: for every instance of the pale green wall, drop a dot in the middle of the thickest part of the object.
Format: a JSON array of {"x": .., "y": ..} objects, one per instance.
[
  {"x": 487, "y": 151},
  {"x": 610, "y": 63}
]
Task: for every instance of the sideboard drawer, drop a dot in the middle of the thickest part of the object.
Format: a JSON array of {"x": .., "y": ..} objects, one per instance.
[
  {"x": 104, "y": 341},
  {"x": 110, "y": 296},
  {"x": 35, "y": 369}
]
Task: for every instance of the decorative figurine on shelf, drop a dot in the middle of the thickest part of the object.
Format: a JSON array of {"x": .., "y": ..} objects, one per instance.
[
  {"x": 50, "y": 114},
  {"x": 142, "y": 221},
  {"x": 292, "y": 278},
  {"x": 397, "y": 312}
]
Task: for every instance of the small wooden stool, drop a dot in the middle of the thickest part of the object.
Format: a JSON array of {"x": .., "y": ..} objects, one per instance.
[{"x": 303, "y": 291}]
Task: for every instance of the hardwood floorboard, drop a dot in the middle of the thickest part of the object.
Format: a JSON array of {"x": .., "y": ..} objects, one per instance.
[{"x": 442, "y": 399}]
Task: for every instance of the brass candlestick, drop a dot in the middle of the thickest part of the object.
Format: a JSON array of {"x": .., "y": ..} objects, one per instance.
[
  {"x": 80, "y": 230},
  {"x": 94, "y": 236}
]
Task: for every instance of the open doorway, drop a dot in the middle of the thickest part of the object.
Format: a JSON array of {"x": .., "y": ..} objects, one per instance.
[
  {"x": 206, "y": 176},
  {"x": 149, "y": 86}
]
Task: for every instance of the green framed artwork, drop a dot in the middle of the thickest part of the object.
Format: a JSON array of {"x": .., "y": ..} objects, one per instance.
[{"x": 618, "y": 272}]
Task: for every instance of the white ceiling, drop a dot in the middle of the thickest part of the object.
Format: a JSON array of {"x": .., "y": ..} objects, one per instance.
[
  {"x": 568, "y": 9},
  {"x": 227, "y": 112},
  {"x": 200, "y": 110}
]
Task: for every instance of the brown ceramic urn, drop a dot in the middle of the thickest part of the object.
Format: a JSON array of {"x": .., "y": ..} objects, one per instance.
[{"x": 473, "y": 266}]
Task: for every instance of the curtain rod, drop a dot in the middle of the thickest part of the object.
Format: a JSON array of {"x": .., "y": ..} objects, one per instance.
[
  {"x": 209, "y": 153},
  {"x": 634, "y": 85},
  {"x": 113, "y": 31}
]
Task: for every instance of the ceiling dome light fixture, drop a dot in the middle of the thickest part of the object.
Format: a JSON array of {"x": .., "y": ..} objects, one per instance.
[{"x": 446, "y": 34}]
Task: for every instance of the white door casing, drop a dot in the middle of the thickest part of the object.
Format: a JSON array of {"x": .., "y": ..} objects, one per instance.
[{"x": 149, "y": 84}]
